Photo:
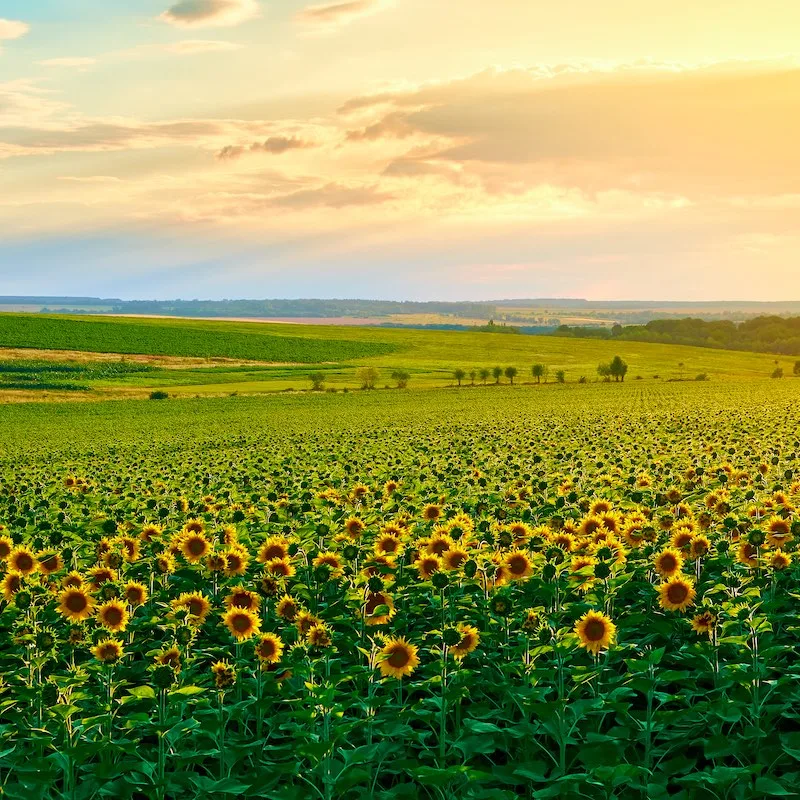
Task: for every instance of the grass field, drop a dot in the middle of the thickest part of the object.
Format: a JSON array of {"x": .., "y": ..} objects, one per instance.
[
  {"x": 385, "y": 594},
  {"x": 213, "y": 358}
]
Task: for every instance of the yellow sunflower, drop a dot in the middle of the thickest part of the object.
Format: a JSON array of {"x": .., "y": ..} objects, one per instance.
[
  {"x": 6, "y": 546},
  {"x": 242, "y": 624},
  {"x": 75, "y": 604},
  {"x": 194, "y": 547},
  {"x": 747, "y": 554},
  {"x": 108, "y": 651},
  {"x": 704, "y": 623},
  {"x": 273, "y": 547},
  {"x": 12, "y": 583},
  {"x": 49, "y": 562},
  {"x": 427, "y": 565},
  {"x": 243, "y": 598},
  {"x": 22, "y": 560},
  {"x": 470, "y": 639},
  {"x": 113, "y": 616},
  {"x": 224, "y": 674},
  {"x": 196, "y": 604},
  {"x": 397, "y": 658},
  {"x": 595, "y": 631},
  {"x": 280, "y": 568},
  {"x": 135, "y": 593},
  {"x": 374, "y": 601},
  {"x": 668, "y": 562},
  {"x": 236, "y": 561},
  {"x": 269, "y": 648},
  {"x": 320, "y": 636},
  {"x": 519, "y": 565},
  {"x": 169, "y": 657},
  {"x": 287, "y": 608},
  {"x": 676, "y": 594},
  {"x": 780, "y": 560}
]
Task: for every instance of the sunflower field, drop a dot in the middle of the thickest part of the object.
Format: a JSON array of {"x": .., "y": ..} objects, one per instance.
[{"x": 585, "y": 592}]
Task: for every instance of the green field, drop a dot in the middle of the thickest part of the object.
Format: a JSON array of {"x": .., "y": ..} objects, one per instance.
[
  {"x": 249, "y": 358},
  {"x": 458, "y": 666}
]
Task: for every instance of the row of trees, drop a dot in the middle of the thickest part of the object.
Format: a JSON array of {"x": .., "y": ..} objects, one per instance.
[{"x": 368, "y": 376}]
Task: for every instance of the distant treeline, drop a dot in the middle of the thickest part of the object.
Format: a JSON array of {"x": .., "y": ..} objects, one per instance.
[
  {"x": 297, "y": 308},
  {"x": 446, "y": 326},
  {"x": 768, "y": 334}
]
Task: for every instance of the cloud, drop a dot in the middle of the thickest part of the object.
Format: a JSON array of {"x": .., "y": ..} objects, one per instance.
[
  {"x": 338, "y": 12},
  {"x": 690, "y": 131},
  {"x": 194, "y": 46},
  {"x": 92, "y": 179},
  {"x": 210, "y": 13},
  {"x": 13, "y": 29},
  {"x": 394, "y": 126},
  {"x": 68, "y": 62},
  {"x": 274, "y": 145}
]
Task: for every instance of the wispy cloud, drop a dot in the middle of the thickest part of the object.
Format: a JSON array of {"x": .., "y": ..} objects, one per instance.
[
  {"x": 274, "y": 145},
  {"x": 13, "y": 29},
  {"x": 339, "y": 12},
  {"x": 210, "y": 13}
]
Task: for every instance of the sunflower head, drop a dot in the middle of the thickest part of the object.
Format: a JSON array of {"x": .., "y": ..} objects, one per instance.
[
  {"x": 668, "y": 562},
  {"x": 75, "y": 603},
  {"x": 224, "y": 674},
  {"x": 113, "y": 616},
  {"x": 397, "y": 658},
  {"x": 269, "y": 648},
  {"x": 676, "y": 593},
  {"x": 135, "y": 593},
  {"x": 22, "y": 560},
  {"x": 242, "y": 624},
  {"x": 467, "y": 643},
  {"x": 595, "y": 631},
  {"x": 108, "y": 651}
]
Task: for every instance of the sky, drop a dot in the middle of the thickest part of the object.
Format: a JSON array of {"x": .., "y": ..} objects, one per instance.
[{"x": 400, "y": 149}]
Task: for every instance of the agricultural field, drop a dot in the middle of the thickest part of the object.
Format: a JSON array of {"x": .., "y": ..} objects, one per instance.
[
  {"x": 125, "y": 357},
  {"x": 576, "y": 591}
]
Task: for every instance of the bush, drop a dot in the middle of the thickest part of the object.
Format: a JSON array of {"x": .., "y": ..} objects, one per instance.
[
  {"x": 159, "y": 395},
  {"x": 702, "y": 377},
  {"x": 582, "y": 379},
  {"x": 367, "y": 376},
  {"x": 777, "y": 372}
]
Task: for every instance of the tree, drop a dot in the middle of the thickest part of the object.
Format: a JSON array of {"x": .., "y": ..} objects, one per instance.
[
  {"x": 317, "y": 379},
  {"x": 400, "y": 376},
  {"x": 472, "y": 375},
  {"x": 497, "y": 372},
  {"x": 797, "y": 368},
  {"x": 537, "y": 370},
  {"x": 511, "y": 373},
  {"x": 561, "y": 376},
  {"x": 777, "y": 372},
  {"x": 604, "y": 371},
  {"x": 368, "y": 377},
  {"x": 618, "y": 368},
  {"x": 484, "y": 375},
  {"x": 459, "y": 375}
]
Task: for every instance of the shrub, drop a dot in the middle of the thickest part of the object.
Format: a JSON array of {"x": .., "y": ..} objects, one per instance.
[{"x": 159, "y": 395}]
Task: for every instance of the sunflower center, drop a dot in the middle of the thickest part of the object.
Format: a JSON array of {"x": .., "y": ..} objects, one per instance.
[
  {"x": 668, "y": 563},
  {"x": 374, "y": 601},
  {"x": 677, "y": 593},
  {"x": 196, "y": 607},
  {"x": 241, "y": 623},
  {"x": 267, "y": 648},
  {"x": 196, "y": 546},
  {"x": 24, "y": 562},
  {"x": 517, "y": 565},
  {"x": 595, "y": 630},
  {"x": 76, "y": 602},
  {"x": 113, "y": 615},
  {"x": 399, "y": 658},
  {"x": 274, "y": 551}
]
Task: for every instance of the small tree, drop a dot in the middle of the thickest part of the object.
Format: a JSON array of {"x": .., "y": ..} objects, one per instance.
[
  {"x": 484, "y": 375},
  {"x": 368, "y": 376},
  {"x": 317, "y": 380},
  {"x": 537, "y": 370},
  {"x": 401, "y": 377},
  {"x": 618, "y": 368},
  {"x": 604, "y": 371},
  {"x": 497, "y": 372},
  {"x": 777, "y": 372},
  {"x": 459, "y": 375},
  {"x": 797, "y": 368},
  {"x": 561, "y": 376},
  {"x": 472, "y": 375},
  {"x": 511, "y": 373}
]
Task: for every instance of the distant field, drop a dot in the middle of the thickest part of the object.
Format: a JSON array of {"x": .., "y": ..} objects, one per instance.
[{"x": 188, "y": 357}]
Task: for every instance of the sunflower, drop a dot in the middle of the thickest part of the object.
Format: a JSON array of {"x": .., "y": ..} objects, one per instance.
[
  {"x": 242, "y": 624},
  {"x": 6, "y": 546},
  {"x": 165, "y": 563},
  {"x": 113, "y": 616},
  {"x": 320, "y": 636},
  {"x": 194, "y": 526},
  {"x": 519, "y": 565},
  {"x": 72, "y": 579},
  {"x": 196, "y": 604},
  {"x": 704, "y": 622},
  {"x": 747, "y": 554},
  {"x": 438, "y": 543},
  {"x": 22, "y": 560},
  {"x": 12, "y": 583},
  {"x": 169, "y": 657},
  {"x": 397, "y": 658},
  {"x": 305, "y": 621},
  {"x": 454, "y": 558},
  {"x": 150, "y": 532},
  {"x": 682, "y": 538},
  {"x": 699, "y": 546},
  {"x": 779, "y": 532},
  {"x": 280, "y": 568},
  {"x": 269, "y": 648},
  {"x": 427, "y": 565},
  {"x": 589, "y": 525},
  {"x": 354, "y": 527},
  {"x": 243, "y": 598},
  {"x": 563, "y": 540},
  {"x": 194, "y": 547},
  {"x": 330, "y": 560},
  {"x": 780, "y": 560},
  {"x": 274, "y": 547},
  {"x": 224, "y": 674},
  {"x": 668, "y": 562},
  {"x": 580, "y": 573},
  {"x": 135, "y": 593},
  {"x": 287, "y": 608},
  {"x": 108, "y": 651},
  {"x": 390, "y": 487},
  {"x": 595, "y": 631},
  {"x": 75, "y": 604},
  {"x": 600, "y": 507},
  {"x": 236, "y": 561},
  {"x": 676, "y": 594},
  {"x": 388, "y": 544},
  {"x": 100, "y": 575},
  {"x": 49, "y": 562},
  {"x": 374, "y": 601},
  {"x": 467, "y": 643},
  {"x": 130, "y": 548}
]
